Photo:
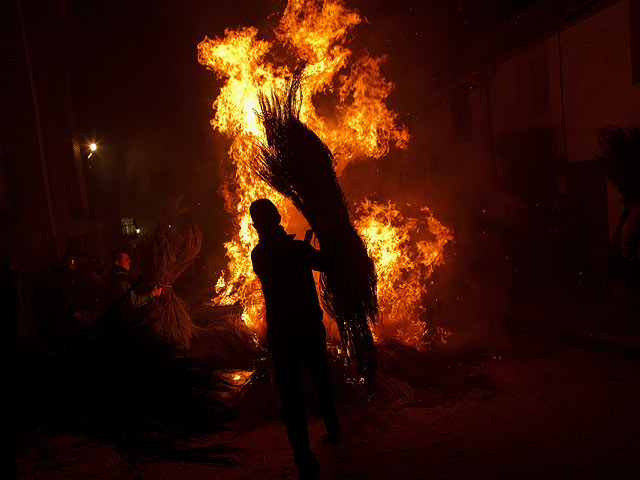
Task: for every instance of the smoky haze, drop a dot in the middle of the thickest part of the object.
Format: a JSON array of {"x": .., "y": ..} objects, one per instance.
[{"x": 141, "y": 94}]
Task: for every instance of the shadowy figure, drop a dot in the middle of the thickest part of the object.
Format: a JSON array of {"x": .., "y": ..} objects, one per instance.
[
  {"x": 122, "y": 300},
  {"x": 71, "y": 297},
  {"x": 11, "y": 302},
  {"x": 630, "y": 234},
  {"x": 620, "y": 155},
  {"x": 573, "y": 237},
  {"x": 295, "y": 332},
  {"x": 94, "y": 285}
]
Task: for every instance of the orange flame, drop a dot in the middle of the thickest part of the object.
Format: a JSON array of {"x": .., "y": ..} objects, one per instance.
[
  {"x": 405, "y": 251},
  {"x": 362, "y": 126}
]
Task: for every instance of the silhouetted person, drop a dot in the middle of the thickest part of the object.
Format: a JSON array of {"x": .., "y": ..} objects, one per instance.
[
  {"x": 123, "y": 301},
  {"x": 630, "y": 234},
  {"x": 71, "y": 298},
  {"x": 295, "y": 332},
  {"x": 573, "y": 236},
  {"x": 626, "y": 246},
  {"x": 11, "y": 302},
  {"x": 93, "y": 284}
]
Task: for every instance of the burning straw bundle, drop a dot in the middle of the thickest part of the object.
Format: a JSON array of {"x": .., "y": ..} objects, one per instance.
[
  {"x": 295, "y": 162},
  {"x": 174, "y": 250}
]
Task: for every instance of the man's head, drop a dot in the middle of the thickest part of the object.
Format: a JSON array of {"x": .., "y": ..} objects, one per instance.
[
  {"x": 264, "y": 214},
  {"x": 122, "y": 260}
]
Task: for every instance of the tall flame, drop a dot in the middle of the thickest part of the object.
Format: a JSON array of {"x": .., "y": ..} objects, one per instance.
[
  {"x": 405, "y": 251},
  {"x": 361, "y": 126}
]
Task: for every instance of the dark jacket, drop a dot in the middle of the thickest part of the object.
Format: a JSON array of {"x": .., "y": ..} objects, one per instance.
[
  {"x": 119, "y": 284},
  {"x": 284, "y": 267}
]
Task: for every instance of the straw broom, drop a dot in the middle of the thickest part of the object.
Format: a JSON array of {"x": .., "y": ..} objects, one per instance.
[
  {"x": 174, "y": 250},
  {"x": 296, "y": 163}
]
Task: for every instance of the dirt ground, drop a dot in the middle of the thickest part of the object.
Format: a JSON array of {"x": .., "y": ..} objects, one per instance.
[{"x": 551, "y": 406}]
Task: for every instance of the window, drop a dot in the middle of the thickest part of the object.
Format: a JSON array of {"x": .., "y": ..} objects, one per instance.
[
  {"x": 540, "y": 97},
  {"x": 128, "y": 226}
]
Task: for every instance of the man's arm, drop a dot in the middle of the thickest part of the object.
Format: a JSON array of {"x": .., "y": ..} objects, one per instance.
[
  {"x": 134, "y": 299},
  {"x": 314, "y": 258},
  {"x": 138, "y": 301},
  {"x": 257, "y": 261}
]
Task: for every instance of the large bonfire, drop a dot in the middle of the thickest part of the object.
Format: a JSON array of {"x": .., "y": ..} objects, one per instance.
[{"x": 360, "y": 126}]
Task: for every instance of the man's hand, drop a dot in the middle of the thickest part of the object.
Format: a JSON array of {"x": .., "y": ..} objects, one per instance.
[{"x": 157, "y": 291}]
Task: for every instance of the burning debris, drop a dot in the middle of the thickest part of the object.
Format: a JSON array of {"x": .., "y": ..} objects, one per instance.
[{"x": 360, "y": 126}]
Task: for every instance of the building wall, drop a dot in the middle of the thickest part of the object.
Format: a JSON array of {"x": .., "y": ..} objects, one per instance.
[
  {"x": 48, "y": 214},
  {"x": 511, "y": 98},
  {"x": 599, "y": 93},
  {"x": 537, "y": 139},
  {"x": 511, "y": 93},
  {"x": 446, "y": 148},
  {"x": 590, "y": 87},
  {"x": 26, "y": 224}
]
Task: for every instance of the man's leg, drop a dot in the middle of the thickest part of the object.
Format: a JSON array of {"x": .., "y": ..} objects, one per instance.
[
  {"x": 318, "y": 367},
  {"x": 290, "y": 387}
]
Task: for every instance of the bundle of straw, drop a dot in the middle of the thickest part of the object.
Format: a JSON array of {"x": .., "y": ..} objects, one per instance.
[
  {"x": 174, "y": 250},
  {"x": 296, "y": 163}
]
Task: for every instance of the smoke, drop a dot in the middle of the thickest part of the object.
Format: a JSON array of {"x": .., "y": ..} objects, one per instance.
[{"x": 142, "y": 93}]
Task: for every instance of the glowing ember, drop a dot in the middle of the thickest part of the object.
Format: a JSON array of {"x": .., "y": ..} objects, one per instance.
[{"x": 361, "y": 126}]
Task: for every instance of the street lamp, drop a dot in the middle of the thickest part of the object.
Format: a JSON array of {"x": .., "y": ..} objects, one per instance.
[{"x": 93, "y": 147}]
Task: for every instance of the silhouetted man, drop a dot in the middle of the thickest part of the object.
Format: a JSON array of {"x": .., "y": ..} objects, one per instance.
[{"x": 295, "y": 331}]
